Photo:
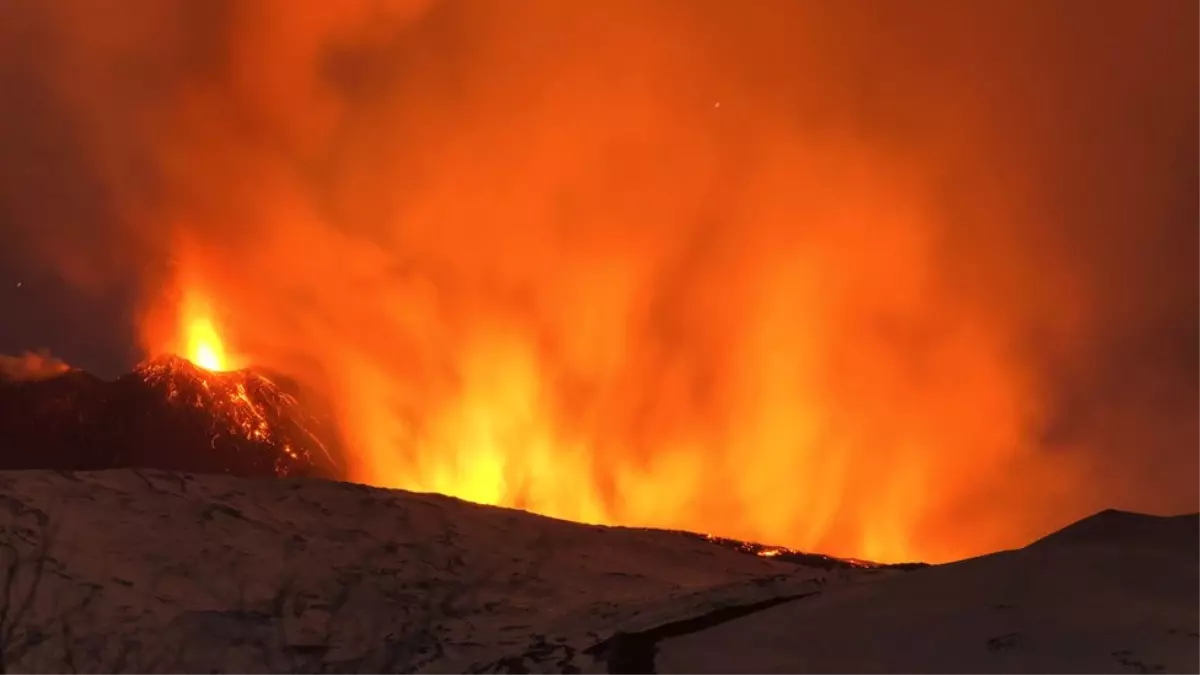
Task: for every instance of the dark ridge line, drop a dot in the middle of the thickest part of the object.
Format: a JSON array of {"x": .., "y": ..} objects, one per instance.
[
  {"x": 801, "y": 558},
  {"x": 636, "y": 652}
]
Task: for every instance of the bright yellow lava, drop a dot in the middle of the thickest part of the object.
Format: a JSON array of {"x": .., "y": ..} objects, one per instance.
[{"x": 204, "y": 347}]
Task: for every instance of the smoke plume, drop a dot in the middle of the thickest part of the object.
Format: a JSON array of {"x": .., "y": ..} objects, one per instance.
[
  {"x": 31, "y": 366},
  {"x": 884, "y": 279}
]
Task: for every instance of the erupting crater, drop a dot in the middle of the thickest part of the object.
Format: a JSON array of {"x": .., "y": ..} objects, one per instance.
[
  {"x": 167, "y": 414},
  {"x": 245, "y": 410}
]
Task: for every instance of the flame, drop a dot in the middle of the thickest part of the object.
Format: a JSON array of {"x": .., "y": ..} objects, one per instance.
[
  {"x": 202, "y": 344},
  {"x": 606, "y": 322},
  {"x": 184, "y": 323},
  {"x": 204, "y": 347},
  {"x": 538, "y": 266}
]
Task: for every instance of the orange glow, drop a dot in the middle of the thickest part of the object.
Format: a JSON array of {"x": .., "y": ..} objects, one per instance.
[
  {"x": 240, "y": 404},
  {"x": 204, "y": 346},
  {"x": 183, "y": 323},
  {"x": 198, "y": 340},
  {"x": 764, "y": 271}
]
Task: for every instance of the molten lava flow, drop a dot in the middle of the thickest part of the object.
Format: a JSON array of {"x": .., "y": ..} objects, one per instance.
[{"x": 242, "y": 410}]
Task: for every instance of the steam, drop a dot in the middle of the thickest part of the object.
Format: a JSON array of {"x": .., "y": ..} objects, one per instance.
[
  {"x": 895, "y": 296},
  {"x": 31, "y": 366}
]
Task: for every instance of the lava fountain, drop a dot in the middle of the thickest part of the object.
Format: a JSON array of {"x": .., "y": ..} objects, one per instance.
[
  {"x": 192, "y": 368},
  {"x": 199, "y": 340},
  {"x": 204, "y": 346}
]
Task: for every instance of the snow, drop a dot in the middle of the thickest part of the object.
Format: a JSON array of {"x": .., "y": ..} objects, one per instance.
[
  {"x": 144, "y": 571},
  {"x": 151, "y": 571},
  {"x": 1117, "y": 592}
]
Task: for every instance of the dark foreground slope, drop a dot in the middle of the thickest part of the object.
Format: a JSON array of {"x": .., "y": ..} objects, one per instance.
[{"x": 1116, "y": 592}]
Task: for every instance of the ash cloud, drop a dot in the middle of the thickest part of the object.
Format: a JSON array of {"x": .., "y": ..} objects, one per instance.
[{"x": 927, "y": 275}]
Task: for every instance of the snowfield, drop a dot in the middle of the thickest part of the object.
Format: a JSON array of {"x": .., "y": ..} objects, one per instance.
[
  {"x": 1117, "y": 592},
  {"x": 150, "y": 571},
  {"x": 139, "y": 571}
]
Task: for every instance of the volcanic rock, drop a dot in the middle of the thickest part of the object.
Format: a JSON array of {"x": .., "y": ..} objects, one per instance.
[{"x": 166, "y": 414}]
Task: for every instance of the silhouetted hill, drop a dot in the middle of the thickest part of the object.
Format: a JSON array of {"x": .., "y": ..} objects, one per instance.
[{"x": 1133, "y": 529}]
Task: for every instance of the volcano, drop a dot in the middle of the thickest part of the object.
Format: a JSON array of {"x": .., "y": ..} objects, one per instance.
[{"x": 167, "y": 414}]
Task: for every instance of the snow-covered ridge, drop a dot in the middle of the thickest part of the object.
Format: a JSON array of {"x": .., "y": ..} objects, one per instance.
[
  {"x": 143, "y": 571},
  {"x": 150, "y": 571},
  {"x": 1114, "y": 593}
]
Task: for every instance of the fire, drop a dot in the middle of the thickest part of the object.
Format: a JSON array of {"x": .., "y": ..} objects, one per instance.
[
  {"x": 185, "y": 323},
  {"x": 601, "y": 322},
  {"x": 204, "y": 347},
  {"x": 529, "y": 262},
  {"x": 190, "y": 363},
  {"x": 199, "y": 339}
]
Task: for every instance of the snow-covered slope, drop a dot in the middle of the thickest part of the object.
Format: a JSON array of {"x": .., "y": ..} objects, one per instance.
[
  {"x": 1117, "y": 592},
  {"x": 127, "y": 571},
  {"x": 152, "y": 571}
]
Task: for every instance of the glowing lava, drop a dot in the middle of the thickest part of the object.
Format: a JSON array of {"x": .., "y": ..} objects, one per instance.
[
  {"x": 244, "y": 414},
  {"x": 201, "y": 343},
  {"x": 204, "y": 346}
]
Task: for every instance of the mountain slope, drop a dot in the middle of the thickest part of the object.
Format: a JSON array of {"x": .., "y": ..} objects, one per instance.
[
  {"x": 153, "y": 571},
  {"x": 1116, "y": 592}
]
